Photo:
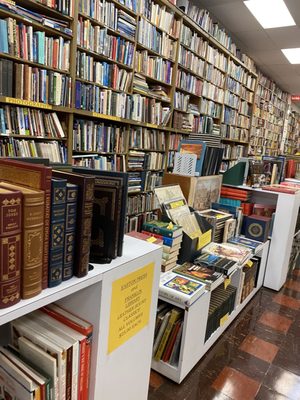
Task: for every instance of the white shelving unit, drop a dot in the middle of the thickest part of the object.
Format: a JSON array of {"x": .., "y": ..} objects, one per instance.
[
  {"x": 124, "y": 372},
  {"x": 193, "y": 344}
]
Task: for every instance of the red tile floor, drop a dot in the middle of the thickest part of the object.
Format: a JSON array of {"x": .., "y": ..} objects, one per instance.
[{"x": 258, "y": 357}]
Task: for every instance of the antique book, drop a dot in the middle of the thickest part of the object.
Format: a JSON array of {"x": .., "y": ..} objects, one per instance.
[
  {"x": 121, "y": 181},
  {"x": 84, "y": 218},
  {"x": 230, "y": 251},
  {"x": 10, "y": 246},
  {"x": 36, "y": 177},
  {"x": 167, "y": 229},
  {"x": 32, "y": 239},
  {"x": 70, "y": 230},
  {"x": 57, "y": 230},
  {"x": 205, "y": 275}
]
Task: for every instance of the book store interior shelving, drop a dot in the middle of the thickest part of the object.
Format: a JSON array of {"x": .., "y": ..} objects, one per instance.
[
  {"x": 193, "y": 343},
  {"x": 115, "y": 64},
  {"x": 90, "y": 298}
]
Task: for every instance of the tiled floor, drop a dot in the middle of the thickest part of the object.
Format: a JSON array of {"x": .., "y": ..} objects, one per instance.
[{"x": 258, "y": 357}]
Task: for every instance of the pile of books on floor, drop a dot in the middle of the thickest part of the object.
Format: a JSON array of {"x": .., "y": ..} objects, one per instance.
[
  {"x": 49, "y": 357},
  {"x": 168, "y": 333},
  {"x": 63, "y": 226},
  {"x": 221, "y": 305},
  {"x": 171, "y": 236}
]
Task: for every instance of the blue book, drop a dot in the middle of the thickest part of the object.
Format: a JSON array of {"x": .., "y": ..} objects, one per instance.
[
  {"x": 70, "y": 230},
  {"x": 57, "y": 231},
  {"x": 230, "y": 202},
  {"x": 3, "y": 36}
]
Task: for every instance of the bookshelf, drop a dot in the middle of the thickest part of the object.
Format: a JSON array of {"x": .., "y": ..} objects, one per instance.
[
  {"x": 194, "y": 344},
  {"x": 90, "y": 298}
]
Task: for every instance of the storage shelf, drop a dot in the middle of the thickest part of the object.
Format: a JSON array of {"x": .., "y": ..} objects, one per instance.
[
  {"x": 102, "y": 57},
  {"x": 31, "y": 137},
  {"x": 44, "y": 9},
  {"x": 34, "y": 104}
]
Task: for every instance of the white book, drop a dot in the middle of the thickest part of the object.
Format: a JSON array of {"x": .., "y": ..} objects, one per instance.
[
  {"x": 12, "y": 387},
  {"x": 43, "y": 360}
]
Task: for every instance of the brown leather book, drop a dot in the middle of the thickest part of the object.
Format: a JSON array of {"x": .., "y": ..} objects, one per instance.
[
  {"x": 10, "y": 246},
  {"x": 34, "y": 176},
  {"x": 32, "y": 239},
  {"x": 84, "y": 218}
]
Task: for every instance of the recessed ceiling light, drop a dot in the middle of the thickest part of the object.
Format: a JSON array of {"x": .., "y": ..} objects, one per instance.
[
  {"x": 270, "y": 13},
  {"x": 293, "y": 55}
]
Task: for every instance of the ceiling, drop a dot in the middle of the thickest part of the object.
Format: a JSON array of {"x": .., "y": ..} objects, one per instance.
[{"x": 263, "y": 45}]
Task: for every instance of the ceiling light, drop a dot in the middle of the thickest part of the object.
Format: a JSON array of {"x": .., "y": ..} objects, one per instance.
[
  {"x": 270, "y": 13},
  {"x": 293, "y": 55}
]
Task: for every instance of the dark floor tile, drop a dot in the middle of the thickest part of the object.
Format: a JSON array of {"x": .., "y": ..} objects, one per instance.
[
  {"x": 283, "y": 382},
  {"x": 296, "y": 273},
  {"x": 291, "y": 293},
  {"x": 236, "y": 385},
  {"x": 249, "y": 365},
  {"x": 208, "y": 393},
  {"x": 156, "y": 380},
  {"x": 259, "y": 348},
  {"x": 268, "y": 394},
  {"x": 294, "y": 285},
  {"x": 287, "y": 301},
  {"x": 275, "y": 321}
]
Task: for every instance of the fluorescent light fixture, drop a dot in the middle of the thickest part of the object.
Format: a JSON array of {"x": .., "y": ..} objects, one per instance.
[
  {"x": 293, "y": 55},
  {"x": 270, "y": 13}
]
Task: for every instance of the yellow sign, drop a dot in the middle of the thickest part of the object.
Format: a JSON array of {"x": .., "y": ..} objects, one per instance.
[
  {"x": 151, "y": 239},
  {"x": 249, "y": 263},
  {"x": 176, "y": 204},
  {"x": 130, "y": 305},
  {"x": 29, "y": 103},
  {"x": 204, "y": 239},
  {"x": 227, "y": 282},
  {"x": 224, "y": 319}
]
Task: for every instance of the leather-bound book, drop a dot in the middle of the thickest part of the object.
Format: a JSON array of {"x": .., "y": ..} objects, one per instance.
[
  {"x": 57, "y": 231},
  {"x": 10, "y": 246},
  {"x": 36, "y": 177},
  {"x": 32, "y": 239},
  {"x": 70, "y": 230},
  {"x": 84, "y": 218}
]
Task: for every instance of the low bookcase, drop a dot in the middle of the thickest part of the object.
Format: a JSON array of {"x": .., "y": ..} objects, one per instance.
[
  {"x": 193, "y": 343},
  {"x": 119, "y": 369}
]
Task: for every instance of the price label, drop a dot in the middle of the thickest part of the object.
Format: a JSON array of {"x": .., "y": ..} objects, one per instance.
[
  {"x": 250, "y": 263},
  {"x": 177, "y": 204},
  {"x": 224, "y": 319},
  {"x": 151, "y": 239},
  {"x": 227, "y": 282},
  {"x": 28, "y": 103}
]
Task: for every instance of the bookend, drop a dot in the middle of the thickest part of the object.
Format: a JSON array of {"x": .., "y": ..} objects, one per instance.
[{"x": 191, "y": 247}]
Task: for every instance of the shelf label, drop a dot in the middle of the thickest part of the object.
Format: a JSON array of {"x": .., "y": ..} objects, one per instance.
[
  {"x": 130, "y": 305},
  {"x": 29, "y": 103},
  {"x": 204, "y": 239},
  {"x": 224, "y": 319}
]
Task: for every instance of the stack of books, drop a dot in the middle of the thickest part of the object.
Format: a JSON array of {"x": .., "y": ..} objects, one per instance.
[
  {"x": 215, "y": 263},
  {"x": 168, "y": 333},
  {"x": 49, "y": 356},
  {"x": 217, "y": 219},
  {"x": 210, "y": 277},
  {"x": 221, "y": 305},
  {"x": 253, "y": 245},
  {"x": 171, "y": 235},
  {"x": 238, "y": 254},
  {"x": 249, "y": 278}
]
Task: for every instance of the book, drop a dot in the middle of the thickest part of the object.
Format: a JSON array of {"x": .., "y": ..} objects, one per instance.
[
  {"x": 229, "y": 229},
  {"x": 36, "y": 177},
  {"x": 84, "y": 218},
  {"x": 11, "y": 246},
  {"x": 180, "y": 289},
  {"x": 232, "y": 252},
  {"x": 217, "y": 263},
  {"x": 254, "y": 245},
  {"x": 146, "y": 238},
  {"x": 194, "y": 147},
  {"x": 167, "y": 229},
  {"x": 121, "y": 181},
  {"x": 166, "y": 241},
  {"x": 32, "y": 238},
  {"x": 70, "y": 230},
  {"x": 57, "y": 231},
  {"x": 205, "y": 275}
]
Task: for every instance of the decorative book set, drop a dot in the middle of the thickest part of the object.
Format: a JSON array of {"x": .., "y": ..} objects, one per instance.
[{"x": 53, "y": 223}]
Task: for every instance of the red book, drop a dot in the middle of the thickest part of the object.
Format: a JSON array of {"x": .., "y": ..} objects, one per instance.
[
  {"x": 85, "y": 328},
  {"x": 34, "y": 176},
  {"x": 281, "y": 189},
  {"x": 146, "y": 236},
  {"x": 171, "y": 341},
  {"x": 290, "y": 169}
]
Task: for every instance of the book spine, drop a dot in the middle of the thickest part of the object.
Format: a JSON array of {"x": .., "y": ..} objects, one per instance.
[
  {"x": 57, "y": 232},
  {"x": 33, "y": 244},
  {"x": 70, "y": 228},
  {"x": 160, "y": 231},
  {"x": 10, "y": 248}
]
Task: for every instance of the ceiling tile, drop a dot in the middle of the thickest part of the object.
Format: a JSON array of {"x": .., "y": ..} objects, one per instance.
[
  {"x": 293, "y": 6},
  {"x": 211, "y": 3},
  {"x": 255, "y": 40},
  {"x": 285, "y": 38},
  {"x": 269, "y": 57}
]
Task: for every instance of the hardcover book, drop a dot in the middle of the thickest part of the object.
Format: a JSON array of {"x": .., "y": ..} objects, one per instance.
[
  {"x": 70, "y": 230},
  {"x": 10, "y": 246},
  {"x": 232, "y": 252},
  {"x": 167, "y": 229},
  {"x": 194, "y": 147},
  {"x": 205, "y": 275},
  {"x": 36, "y": 177},
  {"x": 257, "y": 227},
  {"x": 219, "y": 264},
  {"x": 84, "y": 218},
  {"x": 254, "y": 245},
  {"x": 32, "y": 239}
]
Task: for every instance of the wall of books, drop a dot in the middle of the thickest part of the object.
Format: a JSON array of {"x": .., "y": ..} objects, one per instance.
[{"x": 116, "y": 85}]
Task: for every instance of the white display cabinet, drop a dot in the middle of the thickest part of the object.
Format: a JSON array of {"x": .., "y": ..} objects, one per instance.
[
  {"x": 193, "y": 344},
  {"x": 123, "y": 371}
]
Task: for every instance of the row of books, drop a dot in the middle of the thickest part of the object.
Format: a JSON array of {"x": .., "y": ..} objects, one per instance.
[
  {"x": 234, "y": 133},
  {"x": 153, "y": 39},
  {"x": 192, "y": 41},
  {"x": 232, "y": 117},
  {"x": 102, "y": 73},
  {"x": 135, "y": 106},
  {"x": 134, "y": 223},
  {"x": 213, "y": 92},
  {"x": 111, "y": 162},
  {"x": 240, "y": 74},
  {"x": 48, "y": 357},
  {"x": 24, "y": 42},
  {"x": 141, "y": 203},
  {"x": 231, "y": 100},
  {"x": 61, "y": 203},
  {"x": 30, "y": 122},
  {"x": 216, "y": 58},
  {"x": 210, "y": 108},
  {"x": 97, "y": 40},
  {"x": 189, "y": 60},
  {"x": 147, "y": 139},
  {"x": 96, "y": 8},
  {"x": 141, "y": 86},
  {"x": 214, "y": 75},
  {"x": 158, "y": 15},
  {"x": 153, "y": 67},
  {"x": 99, "y": 137},
  {"x": 149, "y": 160},
  {"x": 189, "y": 83}
]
